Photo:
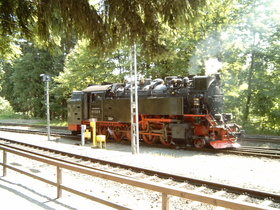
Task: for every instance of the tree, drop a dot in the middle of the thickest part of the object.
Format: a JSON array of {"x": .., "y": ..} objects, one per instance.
[
  {"x": 22, "y": 85},
  {"x": 83, "y": 66},
  {"x": 252, "y": 63},
  {"x": 105, "y": 24}
]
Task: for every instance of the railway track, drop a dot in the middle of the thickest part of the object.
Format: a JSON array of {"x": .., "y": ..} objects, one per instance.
[
  {"x": 251, "y": 151},
  {"x": 258, "y": 199},
  {"x": 258, "y": 151},
  {"x": 244, "y": 150},
  {"x": 268, "y": 139}
]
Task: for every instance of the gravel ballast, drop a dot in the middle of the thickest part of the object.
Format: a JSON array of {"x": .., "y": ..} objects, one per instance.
[{"x": 250, "y": 172}]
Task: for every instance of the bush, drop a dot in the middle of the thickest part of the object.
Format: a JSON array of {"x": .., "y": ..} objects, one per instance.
[
  {"x": 5, "y": 107},
  {"x": 257, "y": 129}
]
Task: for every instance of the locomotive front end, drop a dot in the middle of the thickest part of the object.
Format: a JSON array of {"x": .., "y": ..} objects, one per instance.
[{"x": 211, "y": 125}]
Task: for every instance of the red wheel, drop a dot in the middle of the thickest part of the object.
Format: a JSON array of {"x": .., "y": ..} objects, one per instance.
[
  {"x": 166, "y": 141},
  {"x": 102, "y": 130},
  {"x": 117, "y": 134},
  {"x": 99, "y": 130},
  {"x": 149, "y": 139},
  {"x": 199, "y": 143},
  {"x": 166, "y": 138}
]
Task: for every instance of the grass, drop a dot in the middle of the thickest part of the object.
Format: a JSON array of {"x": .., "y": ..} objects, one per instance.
[
  {"x": 53, "y": 122},
  {"x": 59, "y": 123},
  {"x": 33, "y": 121},
  {"x": 13, "y": 116}
]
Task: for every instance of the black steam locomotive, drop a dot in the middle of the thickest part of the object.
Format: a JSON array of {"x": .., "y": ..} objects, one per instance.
[{"x": 184, "y": 111}]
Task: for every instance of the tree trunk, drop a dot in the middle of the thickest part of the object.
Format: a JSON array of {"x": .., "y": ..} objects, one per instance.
[{"x": 249, "y": 94}]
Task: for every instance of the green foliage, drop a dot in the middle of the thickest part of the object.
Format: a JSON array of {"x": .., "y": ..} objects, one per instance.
[
  {"x": 83, "y": 66},
  {"x": 252, "y": 70},
  {"x": 14, "y": 115},
  {"x": 105, "y": 24},
  {"x": 226, "y": 36},
  {"x": 5, "y": 107},
  {"x": 22, "y": 85},
  {"x": 241, "y": 38}
]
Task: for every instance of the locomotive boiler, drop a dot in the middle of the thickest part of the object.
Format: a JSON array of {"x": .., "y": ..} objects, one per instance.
[{"x": 185, "y": 111}]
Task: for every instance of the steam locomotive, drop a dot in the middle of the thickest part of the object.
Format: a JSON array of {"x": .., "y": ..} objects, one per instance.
[{"x": 184, "y": 111}]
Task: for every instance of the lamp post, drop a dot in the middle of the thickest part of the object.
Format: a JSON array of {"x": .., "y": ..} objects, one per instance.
[
  {"x": 47, "y": 79},
  {"x": 134, "y": 102}
]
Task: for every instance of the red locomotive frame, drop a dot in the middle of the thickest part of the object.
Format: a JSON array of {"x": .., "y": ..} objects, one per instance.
[{"x": 209, "y": 132}]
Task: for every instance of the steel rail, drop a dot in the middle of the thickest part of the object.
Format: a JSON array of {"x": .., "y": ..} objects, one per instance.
[
  {"x": 261, "y": 138},
  {"x": 165, "y": 175},
  {"x": 254, "y": 151},
  {"x": 165, "y": 190},
  {"x": 249, "y": 151}
]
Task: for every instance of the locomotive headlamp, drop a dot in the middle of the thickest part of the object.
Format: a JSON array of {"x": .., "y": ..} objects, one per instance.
[{"x": 46, "y": 78}]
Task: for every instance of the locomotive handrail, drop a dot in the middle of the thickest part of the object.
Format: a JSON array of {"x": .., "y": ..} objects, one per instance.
[
  {"x": 165, "y": 190},
  {"x": 230, "y": 132}
]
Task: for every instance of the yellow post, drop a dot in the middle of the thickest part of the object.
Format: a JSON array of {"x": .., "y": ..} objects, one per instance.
[{"x": 93, "y": 126}]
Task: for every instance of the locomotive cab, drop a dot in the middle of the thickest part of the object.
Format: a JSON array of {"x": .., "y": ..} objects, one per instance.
[{"x": 94, "y": 97}]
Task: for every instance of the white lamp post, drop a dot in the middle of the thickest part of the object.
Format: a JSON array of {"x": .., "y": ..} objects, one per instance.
[
  {"x": 47, "y": 79},
  {"x": 134, "y": 102}
]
